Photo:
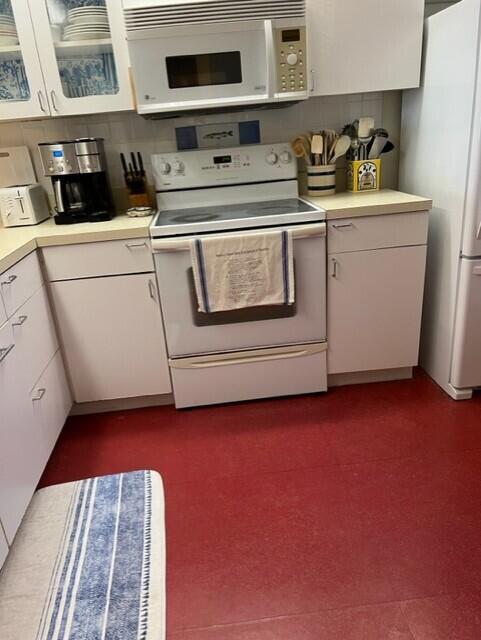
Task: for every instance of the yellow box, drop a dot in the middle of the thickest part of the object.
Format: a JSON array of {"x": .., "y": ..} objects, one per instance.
[{"x": 364, "y": 175}]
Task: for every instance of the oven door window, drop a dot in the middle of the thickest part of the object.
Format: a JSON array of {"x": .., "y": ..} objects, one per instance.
[
  {"x": 203, "y": 70},
  {"x": 250, "y": 314}
]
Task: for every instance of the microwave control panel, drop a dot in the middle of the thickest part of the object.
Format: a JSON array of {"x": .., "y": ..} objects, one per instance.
[{"x": 291, "y": 59}]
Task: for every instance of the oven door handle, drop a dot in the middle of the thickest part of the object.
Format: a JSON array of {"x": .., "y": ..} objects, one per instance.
[
  {"x": 248, "y": 357},
  {"x": 180, "y": 244}
]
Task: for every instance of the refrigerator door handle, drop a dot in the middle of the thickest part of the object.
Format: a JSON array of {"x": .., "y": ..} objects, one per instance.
[
  {"x": 477, "y": 271},
  {"x": 478, "y": 235}
]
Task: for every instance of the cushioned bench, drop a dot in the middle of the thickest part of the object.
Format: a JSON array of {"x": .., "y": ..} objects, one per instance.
[{"x": 88, "y": 563}]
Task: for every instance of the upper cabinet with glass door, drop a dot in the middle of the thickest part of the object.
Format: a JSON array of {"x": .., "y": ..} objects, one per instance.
[
  {"x": 83, "y": 53},
  {"x": 22, "y": 90}
]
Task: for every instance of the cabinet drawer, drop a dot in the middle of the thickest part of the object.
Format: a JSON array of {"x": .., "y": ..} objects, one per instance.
[
  {"x": 20, "y": 282},
  {"x": 377, "y": 232},
  {"x": 51, "y": 402},
  {"x": 93, "y": 259},
  {"x": 34, "y": 335}
]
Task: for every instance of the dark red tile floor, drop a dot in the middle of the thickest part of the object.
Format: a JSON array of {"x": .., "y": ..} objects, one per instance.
[{"x": 354, "y": 515}]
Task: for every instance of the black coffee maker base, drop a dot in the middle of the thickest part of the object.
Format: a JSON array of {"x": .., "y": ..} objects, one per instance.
[{"x": 65, "y": 218}]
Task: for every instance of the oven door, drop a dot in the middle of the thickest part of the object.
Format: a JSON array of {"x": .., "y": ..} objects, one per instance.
[
  {"x": 202, "y": 66},
  {"x": 189, "y": 332}
]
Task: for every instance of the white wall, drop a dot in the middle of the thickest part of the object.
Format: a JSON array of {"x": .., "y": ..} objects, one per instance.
[{"x": 125, "y": 132}]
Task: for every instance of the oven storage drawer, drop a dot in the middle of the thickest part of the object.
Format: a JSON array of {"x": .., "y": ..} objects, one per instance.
[{"x": 246, "y": 375}]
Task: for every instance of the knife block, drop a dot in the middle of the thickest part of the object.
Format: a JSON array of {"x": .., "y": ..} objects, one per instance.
[{"x": 139, "y": 200}]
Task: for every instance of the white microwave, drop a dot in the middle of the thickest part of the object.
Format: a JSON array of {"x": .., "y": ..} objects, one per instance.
[{"x": 216, "y": 54}]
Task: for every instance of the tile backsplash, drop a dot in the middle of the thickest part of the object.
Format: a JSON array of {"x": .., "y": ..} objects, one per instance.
[{"x": 125, "y": 132}]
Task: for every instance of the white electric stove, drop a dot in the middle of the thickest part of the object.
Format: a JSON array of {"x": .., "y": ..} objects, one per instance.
[{"x": 249, "y": 353}]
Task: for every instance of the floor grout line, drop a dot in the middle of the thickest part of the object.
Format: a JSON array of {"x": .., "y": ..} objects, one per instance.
[
  {"x": 420, "y": 458},
  {"x": 250, "y": 621}
]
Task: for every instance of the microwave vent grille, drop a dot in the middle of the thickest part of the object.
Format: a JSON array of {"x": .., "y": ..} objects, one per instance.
[{"x": 139, "y": 18}]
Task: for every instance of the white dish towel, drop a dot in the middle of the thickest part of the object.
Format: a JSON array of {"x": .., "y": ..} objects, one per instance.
[{"x": 243, "y": 270}]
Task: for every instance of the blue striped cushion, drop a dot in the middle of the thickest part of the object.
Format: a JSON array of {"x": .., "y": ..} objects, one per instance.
[{"x": 100, "y": 584}]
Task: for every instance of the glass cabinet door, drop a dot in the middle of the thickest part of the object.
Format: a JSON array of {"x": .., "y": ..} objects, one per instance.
[
  {"x": 22, "y": 93},
  {"x": 84, "y": 59}
]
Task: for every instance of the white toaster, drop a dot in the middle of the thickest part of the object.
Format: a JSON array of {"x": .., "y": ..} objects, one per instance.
[{"x": 24, "y": 205}]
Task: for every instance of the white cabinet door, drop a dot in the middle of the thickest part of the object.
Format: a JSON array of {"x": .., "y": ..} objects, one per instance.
[
  {"x": 112, "y": 336},
  {"x": 51, "y": 402},
  {"x": 22, "y": 453},
  {"x": 82, "y": 75},
  {"x": 3, "y": 546},
  {"x": 374, "y": 309},
  {"x": 357, "y": 47},
  {"x": 22, "y": 90}
]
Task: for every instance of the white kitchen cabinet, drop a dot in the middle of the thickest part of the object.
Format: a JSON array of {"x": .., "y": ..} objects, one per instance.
[
  {"x": 374, "y": 308},
  {"x": 22, "y": 90},
  {"x": 3, "y": 546},
  {"x": 45, "y": 75},
  {"x": 87, "y": 76},
  {"x": 112, "y": 336},
  {"x": 51, "y": 402},
  {"x": 34, "y": 396},
  {"x": 22, "y": 453},
  {"x": 359, "y": 47},
  {"x": 35, "y": 336},
  {"x": 20, "y": 282}
]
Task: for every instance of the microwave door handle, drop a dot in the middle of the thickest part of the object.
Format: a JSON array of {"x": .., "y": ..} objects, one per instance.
[{"x": 271, "y": 58}]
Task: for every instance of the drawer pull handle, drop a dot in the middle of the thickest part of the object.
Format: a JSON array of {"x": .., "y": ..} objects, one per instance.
[
  {"x": 21, "y": 320},
  {"x": 152, "y": 290},
  {"x": 9, "y": 281},
  {"x": 136, "y": 246},
  {"x": 334, "y": 264},
  {"x": 4, "y": 352},
  {"x": 39, "y": 396},
  {"x": 348, "y": 225}
]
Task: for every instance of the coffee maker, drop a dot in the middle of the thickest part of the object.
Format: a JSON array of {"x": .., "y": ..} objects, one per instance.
[{"x": 79, "y": 178}]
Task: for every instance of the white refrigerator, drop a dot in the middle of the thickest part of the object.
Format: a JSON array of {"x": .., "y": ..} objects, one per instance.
[{"x": 441, "y": 158}]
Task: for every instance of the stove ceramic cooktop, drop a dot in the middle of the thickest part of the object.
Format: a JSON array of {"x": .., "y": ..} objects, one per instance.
[{"x": 235, "y": 216}]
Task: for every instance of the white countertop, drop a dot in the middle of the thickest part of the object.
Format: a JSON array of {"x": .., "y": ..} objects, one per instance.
[
  {"x": 384, "y": 202},
  {"x": 17, "y": 242}
]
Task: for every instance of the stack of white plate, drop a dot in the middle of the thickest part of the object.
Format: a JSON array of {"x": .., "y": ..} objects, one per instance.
[
  {"x": 8, "y": 30},
  {"x": 87, "y": 23}
]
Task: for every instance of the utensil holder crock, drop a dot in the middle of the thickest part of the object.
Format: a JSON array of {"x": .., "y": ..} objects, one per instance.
[
  {"x": 364, "y": 175},
  {"x": 321, "y": 180}
]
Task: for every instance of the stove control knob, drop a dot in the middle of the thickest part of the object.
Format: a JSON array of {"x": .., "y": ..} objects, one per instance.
[
  {"x": 179, "y": 166},
  {"x": 272, "y": 158},
  {"x": 164, "y": 168},
  {"x": 292, "y": 59},
  {"x": 285, "y": 157}
]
